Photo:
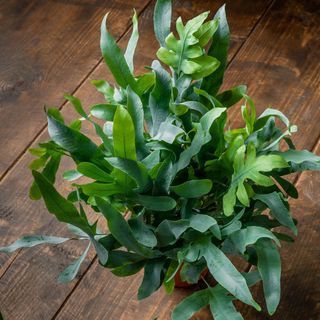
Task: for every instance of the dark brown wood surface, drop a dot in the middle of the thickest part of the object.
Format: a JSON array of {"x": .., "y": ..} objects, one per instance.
[
  {"x": 47, "y": 48},
  {"x": 274, "y": 50}
]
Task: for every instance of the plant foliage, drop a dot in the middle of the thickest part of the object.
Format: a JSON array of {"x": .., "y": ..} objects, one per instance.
[{"x": 177, "y": 187}]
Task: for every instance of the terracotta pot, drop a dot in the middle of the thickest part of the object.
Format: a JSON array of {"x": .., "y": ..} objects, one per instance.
[{"x": 183, "y": 284}]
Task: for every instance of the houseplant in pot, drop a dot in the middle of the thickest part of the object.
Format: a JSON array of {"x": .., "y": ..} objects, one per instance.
[{"x": 179, "y": 190}]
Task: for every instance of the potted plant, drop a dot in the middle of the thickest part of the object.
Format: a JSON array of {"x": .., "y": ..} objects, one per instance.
[{"x": 179, "y": 190}]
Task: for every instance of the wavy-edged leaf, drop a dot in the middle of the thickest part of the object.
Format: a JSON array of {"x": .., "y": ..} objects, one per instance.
[
  {"x": 249, "y": 167},
  {"x": 135, "y": 109},
  {"x": 168, "y": 232},
  {"x": 104, "y": 111},
  {"x": 114, "y": 58},
  {"x": 163, "y": 179},
  {"x": 168, "y": 132},
  {"x": 152, "y": 278},
  {"x": 72, "y": 175},
  {"x": 142, "y": 233},
  {"x": 221, "y": 305},
  {"x": 71, "y": 271},
  {"x": 240, "y": 239},
  {"x": 80, "y": 146},
  {"x": 162, "y": 20},
  {"x": 101, "y": 189},
  {"x": 92, "y": 171},
  {"x": 160, "y": 97},
  {"x": 63, "y": 209},
  {"x": 120, "y": 229},
  {"x": 269, "y": 266},
  {"x": 193, "y": 188},
  {"x": 190, "y": 305},
  {"x": 136, "y": 170},
  {"x": 31, "y": 241},
  {"x": 278, "y": 209},
  {"x": 203, "y": 222},
  {"x": 219, "y": 50},
  {"x": 132, "y": 43},
  {"x": 128, "y": 269},
  {"x": 223, "y": 270},
  {"x": 156, "y": 203},
  {"x": 230, "y": 97},
  {"x": 124, "y": 140}
]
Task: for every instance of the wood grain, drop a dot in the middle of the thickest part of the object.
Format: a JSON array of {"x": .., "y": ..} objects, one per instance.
[{"x": 47, "y": 48}]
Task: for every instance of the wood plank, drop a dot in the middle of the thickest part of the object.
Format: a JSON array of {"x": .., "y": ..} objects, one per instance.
[
  {"x": 47, "y": 48},
  {"x": 300, "y": 260},
  {"x": 116, "y": 298}
]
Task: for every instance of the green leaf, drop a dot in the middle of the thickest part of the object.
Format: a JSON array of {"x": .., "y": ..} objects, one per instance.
[
  {"x": 168, "y": 132},
  {"x": 160, "y": 97},
  {"x": 248, "y": 236},
  {"x": 94, "y": 172},
  {"x": 101, "y": 189},
  {"x": 278, "y": 209},
  {"x": 152, "y": 278},
  {"x": 269, "y": 266},
  {"x": 168, "y": 232},
  {"x": 287, "y": 186},
  {"x": 121, "y": 230},
  {"x": 156, "y": 203},
  {"x": 76, "y": 104},
  {"x": 203, "y": 222},
  {"x": 190, "y": 305},
  {"x": 163, "y": 179},
  {"x": 118, "y": 258},
  {"x": 142, "y": 233},
  {"x": 201, "y": 137},
  {"x": 249, "y": 168},
  {"x": 162, "y": 20},
  {"x": 124, "y": 140},
  {"x": 102, "y": 252},
  {"x": 104, "y": 111},
  {"x": 132, "y": 43},
  {"x": 191, "y": 272},
  {"x": 195, "y": 105},
  {"x": 49, "y": 171},
  {"x": 193, "y": 188},
  {"x": 80, "y": 146},
  {"x": 135, "y": 109},
  {"x": 103, "y": 87},
  {"x": 63, "y": 209},
  {"x": 128, "y": 269},
  {"x": 31, "y": 241},
  {"x": 299, "y": 156},
  {"x": 223, "y": 271},
  {"x": 186, "y": 54},
  {"x": 205, "y": 32},
  {"x": 219, "y": 50},
  {"x": 221, "y": 305},
  {"x": 136, "y": 170},
  {"x": 71, "y": 175},
  {"x": 114, "y": 58},
  {"x": 230, "y": 97},
  {"x": 71, "y": 271}
]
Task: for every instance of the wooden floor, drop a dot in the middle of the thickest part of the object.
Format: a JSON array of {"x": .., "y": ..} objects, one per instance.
[{"x": 51, "y": 47}]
